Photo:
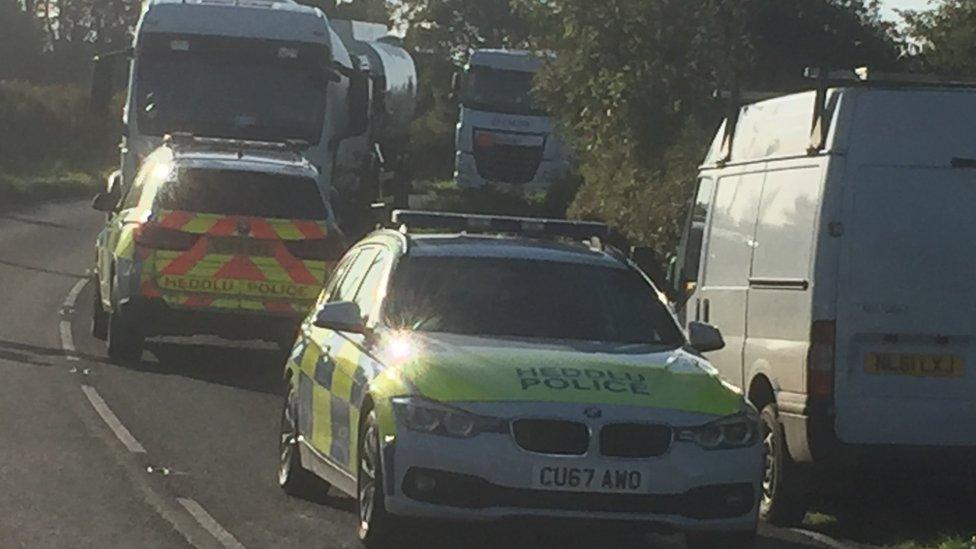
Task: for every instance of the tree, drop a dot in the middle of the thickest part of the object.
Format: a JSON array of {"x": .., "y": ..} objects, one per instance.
[
  {"x": 633, "y": 84},
  {"x": 945, "y": 37},
  {"x": 20, "y": 41}
]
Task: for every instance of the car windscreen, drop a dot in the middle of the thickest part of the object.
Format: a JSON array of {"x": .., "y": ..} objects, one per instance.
[
  {"x": 528, "y": 299},
  {"x": 243, "y": 193},
  {"x": 498, "y": 90},
  {"x": 230, "y": 87}
]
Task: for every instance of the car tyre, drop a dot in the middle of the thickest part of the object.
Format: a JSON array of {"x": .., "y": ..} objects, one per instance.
[
  {"x": 720, "y": 540},
  {"x": 99, "y": 324},
  {"x": 293, "y": 478},
  {"x": 125, "y": 341},
  {"x": 782, "y": 502},
  {"x": 375, "y": 523}
]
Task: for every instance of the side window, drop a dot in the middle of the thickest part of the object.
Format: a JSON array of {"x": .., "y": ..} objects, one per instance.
[
  {"x": 787, "y": 221},
  {"x": 353, "y": 278},
  {"x": 695, "y": 230},
  {"x": 134, "y": 194},
  {"x": 372, "y": 289},
  {"x": 732, "y": 230},
  {"x": 336, "y": 276}
]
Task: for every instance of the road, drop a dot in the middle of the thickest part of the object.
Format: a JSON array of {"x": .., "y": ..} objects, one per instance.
[{"x": 178, "y": 451}]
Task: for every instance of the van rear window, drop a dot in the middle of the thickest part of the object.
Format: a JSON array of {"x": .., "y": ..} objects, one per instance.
[{"x": 243, "y": 193}]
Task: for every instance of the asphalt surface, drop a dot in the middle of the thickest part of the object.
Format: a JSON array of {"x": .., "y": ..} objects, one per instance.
[{"x": 202, "y": 414}]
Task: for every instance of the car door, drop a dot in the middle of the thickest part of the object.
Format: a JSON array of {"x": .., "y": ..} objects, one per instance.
[
  {"x": 327, "y": 349},
  {"x": 109, "y": 237},
  {"x": 355, "y": 365},
  {"x": 727, "y": 260}
]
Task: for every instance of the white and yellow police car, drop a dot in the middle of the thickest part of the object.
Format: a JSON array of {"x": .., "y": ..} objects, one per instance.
[{"x": 507, "y": 367}]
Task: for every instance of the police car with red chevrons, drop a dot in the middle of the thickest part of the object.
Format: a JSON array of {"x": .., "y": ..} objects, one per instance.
[{"x": 213, "y": 237}]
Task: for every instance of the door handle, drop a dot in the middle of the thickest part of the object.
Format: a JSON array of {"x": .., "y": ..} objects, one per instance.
[
  {"x": 698, "y": 309},
  {"x": 706, "y": 310}
]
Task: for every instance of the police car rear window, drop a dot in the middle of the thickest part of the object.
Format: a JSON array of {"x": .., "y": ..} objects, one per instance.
[
  {"x": 243, "y": 193},
  {"x": 527, "y": 298}
]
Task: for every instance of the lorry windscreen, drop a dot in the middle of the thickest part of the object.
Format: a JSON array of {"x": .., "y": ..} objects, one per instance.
[
  {"x": 523, "y": 298},
  {"x": 231, "y": 192},
  {"x": 503, "y": 91},
  {"x": 230, "y": 87}
]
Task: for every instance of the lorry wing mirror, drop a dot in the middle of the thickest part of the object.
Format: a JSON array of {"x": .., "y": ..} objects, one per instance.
[
  {"x": 103, "y": 72},
  {"x": 358, "y": 121},
  {"x": 705, "y": 338},
  {"x": 648, "y": 260},
  {"x": 455, "y": 93},
  {"x": 102, "y": 82}
]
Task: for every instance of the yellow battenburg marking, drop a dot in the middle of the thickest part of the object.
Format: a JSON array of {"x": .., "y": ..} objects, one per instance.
[
  {"x": 200, "y": 224},
  {"x": 322, "y": 422},
  {"x": 286, "y": 229}
]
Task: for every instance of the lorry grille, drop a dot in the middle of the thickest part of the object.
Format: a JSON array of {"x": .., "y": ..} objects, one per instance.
[
  {"x": 634, "y": 440},
  {"x": 508, "y": 163},
  {"x": 547, "y": 436}
]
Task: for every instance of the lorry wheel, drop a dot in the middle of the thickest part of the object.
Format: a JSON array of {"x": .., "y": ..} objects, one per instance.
[
  {"x": 720, "y": 540},
  {"x": 99, "y": 324},
  {"x": 375, "y": 524},
  {"x": 125, "y": 341},
  {"x": 782, "y": 502},
  {"x": 293, "y": 478}
]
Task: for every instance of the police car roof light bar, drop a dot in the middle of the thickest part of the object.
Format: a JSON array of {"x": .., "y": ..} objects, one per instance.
[
  {"x": 181, "y": 139},
  {"x": 472, "y": 223}
]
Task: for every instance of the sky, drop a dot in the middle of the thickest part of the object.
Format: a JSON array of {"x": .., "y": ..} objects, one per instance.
[{"x": 891, "y": 5}]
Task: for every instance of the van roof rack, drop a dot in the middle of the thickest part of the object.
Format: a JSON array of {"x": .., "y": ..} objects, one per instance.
[
  {"x": 408, "y": 220},
  {"x": 825, "y": 80}
]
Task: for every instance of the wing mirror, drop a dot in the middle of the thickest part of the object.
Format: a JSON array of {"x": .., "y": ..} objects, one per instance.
[
  {"x": 705, "y": 338},
  {"x": 341, "y": 316}
]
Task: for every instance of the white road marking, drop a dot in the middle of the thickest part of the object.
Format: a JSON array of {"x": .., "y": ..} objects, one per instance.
[
  {"x": 822, "y": 538},
  {"x": 210, "y": 524},
  {"x": 64, "y": 327},
  {"x": 109, "y": 417}
]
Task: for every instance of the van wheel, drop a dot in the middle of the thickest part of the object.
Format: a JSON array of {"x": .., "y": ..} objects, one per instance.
[
  {"x": 99, "y": 324},
  {"x": 720, "y": 540},
  {"x": 782, "y": 503},
  {"x": 375, "y": 524},
  {"x": 293, "y": 478},
  {"x": 125, "y": 341}
]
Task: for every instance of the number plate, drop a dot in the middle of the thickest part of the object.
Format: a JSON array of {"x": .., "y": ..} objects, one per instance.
[
  {"x": 616, "y": 480},
  {"x": 897, "y": 364}
]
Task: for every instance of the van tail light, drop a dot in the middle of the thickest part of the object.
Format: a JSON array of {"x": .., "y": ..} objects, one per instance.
[
  {"x": 152, "y": 235},
  {"x": 820, "y": 359}
]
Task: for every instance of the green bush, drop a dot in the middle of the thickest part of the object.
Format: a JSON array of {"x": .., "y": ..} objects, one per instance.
[
  {"x": 24, "y": 189},
  {"x": 48, "y": 129}
]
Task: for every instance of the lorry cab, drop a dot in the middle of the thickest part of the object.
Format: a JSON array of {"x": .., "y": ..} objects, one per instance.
[
  {"x": 264, "y": 70},
  {"x": 837, "y": 263},
  {"x": 503, "y": 136}
]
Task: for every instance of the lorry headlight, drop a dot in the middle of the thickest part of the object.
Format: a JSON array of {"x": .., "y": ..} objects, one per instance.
[
  {"x": 737, "y": 431},
  {"x": 427, "y": 416}
]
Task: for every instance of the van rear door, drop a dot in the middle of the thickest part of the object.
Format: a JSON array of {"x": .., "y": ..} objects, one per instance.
[
  {"x": 906, "y": 347},
  {"x": 905, "y": 369}
]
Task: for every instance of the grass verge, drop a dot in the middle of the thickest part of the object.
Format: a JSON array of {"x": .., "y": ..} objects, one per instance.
[{"x": 17, "y": 190}]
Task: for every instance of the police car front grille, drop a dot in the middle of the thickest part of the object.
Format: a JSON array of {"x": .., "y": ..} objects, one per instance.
[
  {"x": 634, "y": 440},
  {"x": 508, "y": 163},
  {"x": 548, "y": 436}
]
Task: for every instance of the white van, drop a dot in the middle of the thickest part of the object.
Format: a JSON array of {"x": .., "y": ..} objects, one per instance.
[{"x": 840, "y": 266}]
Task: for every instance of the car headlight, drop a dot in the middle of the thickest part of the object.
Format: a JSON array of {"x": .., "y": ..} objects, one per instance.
[
  {"x": 738, "y": 431},
  {"x": 427, "y": 416}
]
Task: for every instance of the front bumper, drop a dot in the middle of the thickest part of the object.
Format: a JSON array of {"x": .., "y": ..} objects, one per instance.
[
  {"x": 489, "y": 477},
  {"x": 467, "y": 176}
]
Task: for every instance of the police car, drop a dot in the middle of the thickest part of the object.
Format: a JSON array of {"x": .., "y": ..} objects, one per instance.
[
  {"x": 506, "y": 367},
  {"x": 212, "y": 237}
]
